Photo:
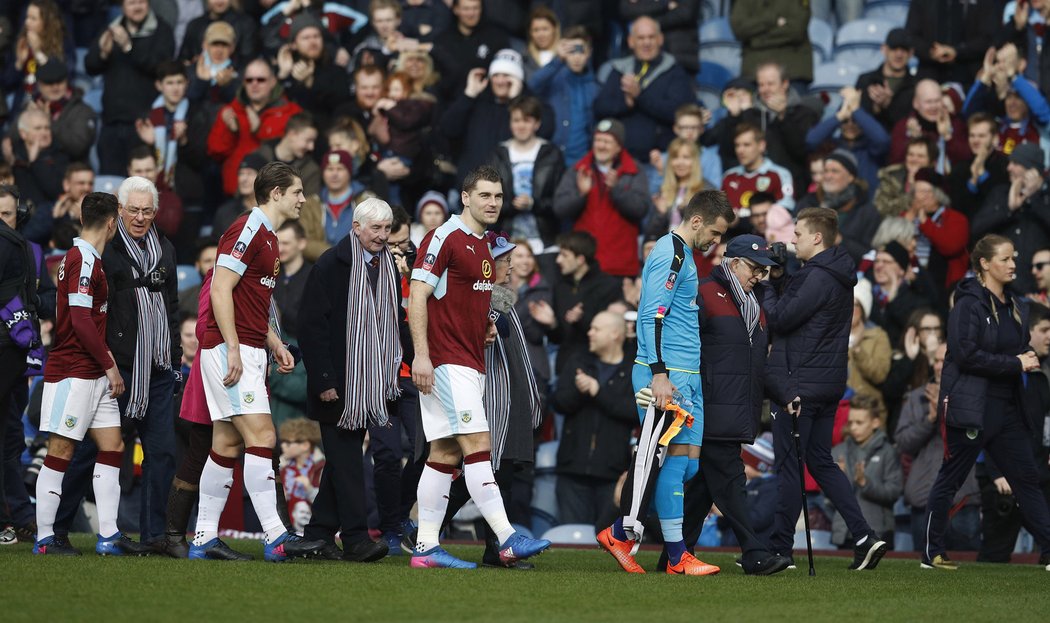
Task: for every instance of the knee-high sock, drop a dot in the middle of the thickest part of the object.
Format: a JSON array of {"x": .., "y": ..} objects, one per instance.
[
  {"x": 432, "y": 496},
  {"x": 259, "y": 483},
  {"x": 481, "y": 483},
  {"x": 670, "y": 506},
  {"x": 49, "y": 494},
  {"x": 691, "y": 469},
  {"x": 215, "y": 484},
  {"x": 106, "y": 485}
]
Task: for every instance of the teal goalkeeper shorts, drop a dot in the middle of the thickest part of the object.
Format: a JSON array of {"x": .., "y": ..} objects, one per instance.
[{"x": 689, "y": 386}]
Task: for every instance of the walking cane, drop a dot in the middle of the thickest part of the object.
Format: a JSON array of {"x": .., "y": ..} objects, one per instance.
[{"x": 797, "y": 407}]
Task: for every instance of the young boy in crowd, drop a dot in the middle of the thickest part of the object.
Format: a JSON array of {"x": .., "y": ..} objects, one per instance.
[
  {"x": 873, "y": 467},
  {"x": 164, "y": 128},
  {"x": 689, "y": 123},
  {"x": 302, "y": 463},
  {"x": 568, "y": 85}
]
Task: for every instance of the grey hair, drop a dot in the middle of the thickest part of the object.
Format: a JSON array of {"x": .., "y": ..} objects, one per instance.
[
  {"x": 372, "y": 210},
  {"x": 136, "y": 184},
  {"x": 27, "y": 114},
  {"x": 893, "y": 229},
  {"x": 938, "y": 194}
]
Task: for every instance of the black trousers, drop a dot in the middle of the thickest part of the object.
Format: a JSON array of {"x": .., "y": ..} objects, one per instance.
[
  {"x": 395, "y": 486},
  {"x": 721, "y": 481},
  {"x": 12, "y": 372},
  {"x": 1006, "y": 439},
  {"x": 340, "y": 501}
]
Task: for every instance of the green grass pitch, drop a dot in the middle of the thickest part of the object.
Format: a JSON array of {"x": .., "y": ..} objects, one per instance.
[{"x": 576, "y": 585}]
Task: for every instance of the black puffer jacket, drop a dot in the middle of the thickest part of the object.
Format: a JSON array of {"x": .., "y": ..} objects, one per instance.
[
  {"x": 810, "y": 321},
  {"x": 731, "y": 364},
  {"x": 122, "y": 328},
  {"x": 546, "y": 173},
  {"x": 973, "y": 357}
]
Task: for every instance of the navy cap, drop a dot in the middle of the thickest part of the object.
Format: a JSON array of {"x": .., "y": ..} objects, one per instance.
[{"x": 750, "y": 247}]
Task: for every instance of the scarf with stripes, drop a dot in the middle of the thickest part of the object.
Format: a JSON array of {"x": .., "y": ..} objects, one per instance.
[
  {"x": 373, "y": 344},
  {"x": 746, "y": 302},
  {"x": 153, "y": 342},
  {"x": 497, "y": 399}
]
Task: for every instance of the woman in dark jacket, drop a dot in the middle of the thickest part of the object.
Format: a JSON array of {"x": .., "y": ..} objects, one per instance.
[{"x": 981, "y": 397}]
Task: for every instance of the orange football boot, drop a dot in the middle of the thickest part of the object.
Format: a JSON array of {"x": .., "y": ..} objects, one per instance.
[
  {"x": 689, "y": 565},
  {"x": 620, "y": 550}
]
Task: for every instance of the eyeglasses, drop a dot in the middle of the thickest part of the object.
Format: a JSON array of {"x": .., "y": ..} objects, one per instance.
[
  {"x": 1038, "y": 266},
  {"x": 251, "y": 79},
  {"x": 146, "y": 213},
  {"x": 756, "y": 270}
]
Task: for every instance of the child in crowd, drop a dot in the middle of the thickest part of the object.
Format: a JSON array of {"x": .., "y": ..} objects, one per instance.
[
  {"x": 164, "y": 128},
  {"x": 303, "y": 462},
  {"x": 874, "y": 469},
  {"x": 398, "y": 126},
  {"x": 431, "y": 212},
  {"x": 689, "y": 123},
  {"x": 568, "y": 85}
]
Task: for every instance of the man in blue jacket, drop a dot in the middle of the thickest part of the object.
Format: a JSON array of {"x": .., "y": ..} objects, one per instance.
[{"x": 809, "y": 314}]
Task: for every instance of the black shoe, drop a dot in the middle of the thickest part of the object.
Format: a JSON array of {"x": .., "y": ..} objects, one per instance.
[
  {"x": 26, "y": 533},
  {"x": 296, "y": 546},
  {"x": 63, "y": 547},
  {"x": 172, "y": 545},
  {"x": 408, "y": 539},
  {"x": 365, "y": 550},
  {"x": 520, "y": 565},
  {"x": 215, "y": 549},
  {"x": 330, "y": 551},
  {"x": 868, "y": 554},
  {"x": 767, "y": 566},
  {"x": 121, "y": 545}
]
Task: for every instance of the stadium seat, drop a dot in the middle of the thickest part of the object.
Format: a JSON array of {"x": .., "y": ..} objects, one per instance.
[
  {"x": 93, "y": 98},
  {"x": 107, "y": 183},
  {"x": 724, "y": 53},
  {"x": 571, "y": 534},
  {"x": 833, "y": 76},
  {"x": 187, "y": 276},
  {"x": 892, "y": 11},
  {"x": 709, "y": 99},
  {"x": 713, "y": 76},
  {"x": 863, "y": 31},
  {"x": 863, "y": 57},
  {"x": 822, "y": 37},
  {"x": 821, "y": 541},
  {"x": 546, "y": 457},
  {"x": 716, "y": 30},
  {"x": 834, "y": 102}
]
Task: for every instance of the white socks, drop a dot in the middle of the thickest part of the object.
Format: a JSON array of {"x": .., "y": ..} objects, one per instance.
[
  {"x": 259, "y": 482},
  {"x": 481, "y": 483},
  {"x": 432, "y": 497},
  {"x": 215, "y": 485},
  {"x": 49, "y": 495}
]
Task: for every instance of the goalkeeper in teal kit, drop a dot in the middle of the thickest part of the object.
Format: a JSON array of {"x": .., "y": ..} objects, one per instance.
[{"x": 668, "y": 363}]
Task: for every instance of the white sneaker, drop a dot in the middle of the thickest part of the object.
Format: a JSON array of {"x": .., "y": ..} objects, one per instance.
[{"x": 8, "y": 536}]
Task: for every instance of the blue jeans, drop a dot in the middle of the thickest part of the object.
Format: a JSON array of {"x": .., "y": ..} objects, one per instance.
[{"x": 156, "y": 432}]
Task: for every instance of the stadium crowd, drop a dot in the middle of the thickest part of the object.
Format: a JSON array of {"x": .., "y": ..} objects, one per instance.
[{"x": 589, "y": 113}]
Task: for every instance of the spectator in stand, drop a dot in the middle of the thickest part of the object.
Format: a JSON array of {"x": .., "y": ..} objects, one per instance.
[
  {"x": 243, "y": 46},
  {"x": 761, "y": 485},
  {"x": 142, "y": 162},
  {"x": 367, "y": 90},
  {"x": 853, "y": 129},
  {"x": 644, "y": 90},
  {"x": 73, "y": 123},
  {"x": 873, "y": 468},
  {"x": 43, "y": 38},
  {"x": 296, "y": 148},
  {"x": 259, "y": 113},
  {"x": 1041, "y": 274},
  {"x": 896, "y": 180},
  {"x": 895, "y": 297},
  {"x": 291, "y": 282},
  {"x": 431, "y": 212},
  {"x": 244, "y": 200},
  {"x": 567, "y": 84},
  {"x": 1019, "y": 210},
  {"x": 930, "y": 118},
  {"x": 774, "y": 31},
  {"x": 77, "y": 181},
  {"x": 943, "y": 232},
  {"x": 543, "y": 42},
  {"x": 468, "y": 45},
  {"x": 1002, "y": 89},
  {"x": 595, "y": 395},
  {"x": 677, "y": 21},
  {"x": 913, "y": 359},
  {"x": 347, "y": 135},
  {"x": 887, "y": 92},
  {"x": 419, "y": 66},
  {"x": 531, "y": 169},
  {"x": 951, "y": 36},
  {"x": 126, "y": 54},
  {"x": 918, "y": 438},
  {"x": 164, "y": 127},
  {"x": 869, "y": 351},
  {"x": 756, "y": 172},
  {"x": 207, "y": 248},
  {"x": 384, "y": 40},
  {"x": 36, "y": 158},
  {"x": 769, "y": 219},
  {"x": 580, "y": 293},
  {"x": 400, "y": 129},
  {"x": 342, "y": 24},
  {"x": 425, "y": 20},
  {"x": 1026, "y": 26},
  {"x": 308, "y": 72},
  {"x": 973, "y": 179},
  {"x": 679, "y": 182},
  {"x": 689, "y": 123},
  {"x": 842, "y": 191},
  {"x": 302, "y": 465},
  {"x": 531, "y": 287},
  {"x": 330, "y": 218},
  {"x": 606, "y": 194}
]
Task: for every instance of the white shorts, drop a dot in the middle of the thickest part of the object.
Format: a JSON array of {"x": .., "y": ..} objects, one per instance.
[
  {"x": 455, "y": 405},
  {"x": 72, "y": 406},
  {"x": 248, "y": 396}
]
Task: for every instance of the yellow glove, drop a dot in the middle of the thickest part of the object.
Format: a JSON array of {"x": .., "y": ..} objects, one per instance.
[{"x": 644, "y": 397}]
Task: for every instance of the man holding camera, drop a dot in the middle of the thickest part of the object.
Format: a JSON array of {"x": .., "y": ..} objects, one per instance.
[
  {"x": 143, "y": 335},
  {"x": 809, "y": 314}
]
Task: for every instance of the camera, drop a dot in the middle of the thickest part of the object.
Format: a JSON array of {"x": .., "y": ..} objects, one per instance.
[
  {"x": 778, "y": 252},
  {"x": 1005, "y": 504},
  {"x": 154, "y": 280}
]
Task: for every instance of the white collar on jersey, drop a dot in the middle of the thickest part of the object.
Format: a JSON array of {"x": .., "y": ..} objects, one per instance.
[
  {"x": 262, "y": 217},
  {"x": 458, "y": 222},
  {"x": 84, "y": 245}
]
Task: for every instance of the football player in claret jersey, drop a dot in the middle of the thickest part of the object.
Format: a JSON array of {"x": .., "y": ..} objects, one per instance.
[
  {"x": 233, "y": 363},
  {"x": 756, "y": 172},
  {"x": 448, "y": 313},
  {"x": 81, "y": 385}
]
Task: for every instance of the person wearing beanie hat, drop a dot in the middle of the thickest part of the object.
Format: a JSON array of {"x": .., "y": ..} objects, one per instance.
[
  {"x": 943, "y": 231},
  {"x": 869, "y": 349},
  {"x": 73, "y": 122},
  {"x": 431, "y": 212},
  {"x": 893, "y": 297},
  {"x": 841, "y": 190},
  {"x": 643, "y": 90},
  {"x": 613, "y": 128},
  {"x": 862, "y": 296},
  {"x": 886, "y": 92},
  {"x": 308, "y": 72},
  {"x": 507, "y": 62},
  {"x": 846, "y": 159},
  {"x": 761, "y": 489}
]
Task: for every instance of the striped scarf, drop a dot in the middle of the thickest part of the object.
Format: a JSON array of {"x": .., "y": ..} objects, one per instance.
[
  {"x": 497, "y": 399},
  {"x": 373, "y": 345},
  {"x": 745, "y": 301},
  {"x": 153, "y": 344},
  {"x": 166, "y": 146}
]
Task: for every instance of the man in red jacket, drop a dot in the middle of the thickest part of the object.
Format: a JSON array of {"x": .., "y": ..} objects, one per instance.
[
  {"x": 931, "y": 118},
  {"x": 942, "y": 231},
  {"x": 258, "y": 114}
]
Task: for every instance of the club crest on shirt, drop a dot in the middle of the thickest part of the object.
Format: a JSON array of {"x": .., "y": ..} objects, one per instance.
[
  {"x": 762, "y": 184},
  {"x": 248, "y": 397},
  {"x": 84, "y": 286},
  {"x": 465, "y": 416},
  {"x": 428, "y": 261},
  {"x": 673, "y": 277},
  {"x": 71, "y": 421},
  {"x": 486, "y": 269},
  {"x": 276, "y": 266},
  {"x": 238, "y": 250}
]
